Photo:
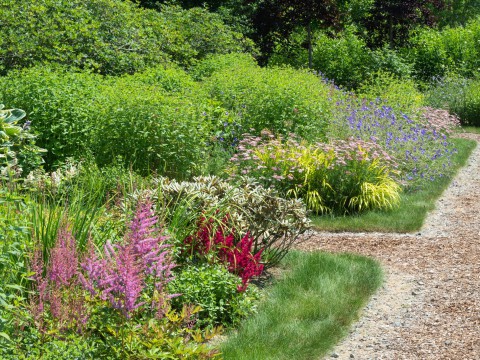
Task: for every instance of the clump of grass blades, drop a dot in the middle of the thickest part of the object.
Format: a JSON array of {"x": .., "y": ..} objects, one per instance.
[
  {"x": 306, "y": 312},
  {"x": 343, "y": 176}
]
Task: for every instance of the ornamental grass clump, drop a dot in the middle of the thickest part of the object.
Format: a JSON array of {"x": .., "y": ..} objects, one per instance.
[
  {"x": 338, "y": 177},
  {"x": 421, "y": 147}
]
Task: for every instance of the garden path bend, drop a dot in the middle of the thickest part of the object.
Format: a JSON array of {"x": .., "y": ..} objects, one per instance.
[{"x": 429, "y": 305}]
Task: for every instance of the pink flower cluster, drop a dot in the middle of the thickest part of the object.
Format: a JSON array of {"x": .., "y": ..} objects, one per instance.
[
  {"x": 57, "y": 285},
  {"x": 122, "y": 275},
  {"x": 274, "y": 160},
  {"x": 353, "y": 149},
  {"x": 220, "y": 243},
  {"x": 440, "y": 120}
]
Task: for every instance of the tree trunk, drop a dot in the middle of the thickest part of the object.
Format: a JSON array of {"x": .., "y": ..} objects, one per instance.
[
  {"x": 390, "y": 33},
  {"x": 310, "y": 50}
]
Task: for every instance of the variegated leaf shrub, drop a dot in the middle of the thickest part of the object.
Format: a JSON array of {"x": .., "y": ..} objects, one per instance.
[{"x": 273, "y": 223}]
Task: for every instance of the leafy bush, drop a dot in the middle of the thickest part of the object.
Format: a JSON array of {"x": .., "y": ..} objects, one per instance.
[
  {"x": 18, "y": 153},
  {"x": 345, "y": 58},
  {"x": 283, "y": 100},
  {"x": 341, "y": 177},
  {"x": 273, "y": 223},
  {"x": 437, "y": 53},
  {"x": 109, "y": 36},
  {"x": 392, "y": 62},
  {"x": 200, "y": 33},
  {"x": 214, "y": 63},
  {"x": 401, "y": 94},
  {"x": 60, "y": 105},
  {"x": 214, "y": 289},
  {"x": 157, "y": 116}
]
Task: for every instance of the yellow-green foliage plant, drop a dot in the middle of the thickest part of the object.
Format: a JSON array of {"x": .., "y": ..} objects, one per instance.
[
  {"x": 402, "y": 94},
  {"x": 341, "y": 177}
]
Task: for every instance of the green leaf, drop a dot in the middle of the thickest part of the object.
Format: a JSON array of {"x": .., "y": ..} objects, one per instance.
[{"x": 4, "y": 335}]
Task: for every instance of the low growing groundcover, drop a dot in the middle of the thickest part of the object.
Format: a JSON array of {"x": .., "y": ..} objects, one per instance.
[{"x": 309, "y": 309}]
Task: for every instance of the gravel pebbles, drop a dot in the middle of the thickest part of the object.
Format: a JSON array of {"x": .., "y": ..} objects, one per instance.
[{"x": 429, "y": 305}]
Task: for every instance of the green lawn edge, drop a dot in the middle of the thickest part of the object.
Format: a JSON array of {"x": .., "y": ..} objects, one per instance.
[
  {"x": 308, "y": 310},
  {"x": 411, "y": 213}
]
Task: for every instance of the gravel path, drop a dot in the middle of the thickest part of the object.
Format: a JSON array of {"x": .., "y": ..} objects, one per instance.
[{"x": 429, "y": 305}]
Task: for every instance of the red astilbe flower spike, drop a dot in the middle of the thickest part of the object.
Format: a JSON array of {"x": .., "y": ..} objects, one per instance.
[{"x": 243, "y": 262}]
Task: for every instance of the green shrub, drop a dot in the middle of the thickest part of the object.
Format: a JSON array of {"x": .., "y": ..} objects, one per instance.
[
  {"x": 436, "y": 53},
  {"x": 345, "y": 59},
  {"x": 109, "y": 36},
  {"x": 460, "y": 96},
  {"x": 401, "y": 94},
  {"x": 470, "y": 115},
  {"x": 392, "y": 62},
  {"x": 154, "y": 121},
  {"x": 283, "y": 100},
  {"x": 214, "y": 63},
  {"x": 214, "y": 289},
  {"x": 149, "y": 128},
  {"x": 59, "y": 104},
  {"x": 199, "y": 33}
]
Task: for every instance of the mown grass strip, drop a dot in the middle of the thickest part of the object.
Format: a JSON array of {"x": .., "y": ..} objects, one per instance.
[
  {"x": 471, "y": 129},
  {"x": 413, "y": 209},
  {"x": 307, "y": 311}
]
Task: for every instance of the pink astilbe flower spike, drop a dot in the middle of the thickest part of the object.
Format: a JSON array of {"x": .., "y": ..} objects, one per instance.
[
  {"x": 57, "y": 290},
  {"x": 121, "y": 276},
  {"x": 63, "y": 258},
  {"x": 37, "y": 302}
]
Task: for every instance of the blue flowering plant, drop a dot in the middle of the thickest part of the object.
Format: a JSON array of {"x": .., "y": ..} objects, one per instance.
[{"x": 420, "y": 144}]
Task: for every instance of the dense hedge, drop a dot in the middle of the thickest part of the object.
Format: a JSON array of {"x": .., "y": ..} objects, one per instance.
[
  {"x": 283, "y": 100},
  {"x": 436, "y": 53},
  {"x": 109, "y": 36},
  {"x": 133, "y": 118},
  {"x": 161, "y": 119},
  {"x": 345, "y": 58}
]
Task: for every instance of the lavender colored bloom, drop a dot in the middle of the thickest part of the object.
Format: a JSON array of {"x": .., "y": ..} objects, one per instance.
[
  {"x": 122, "y": 275},
  {"x": 63, "y": 258}
]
